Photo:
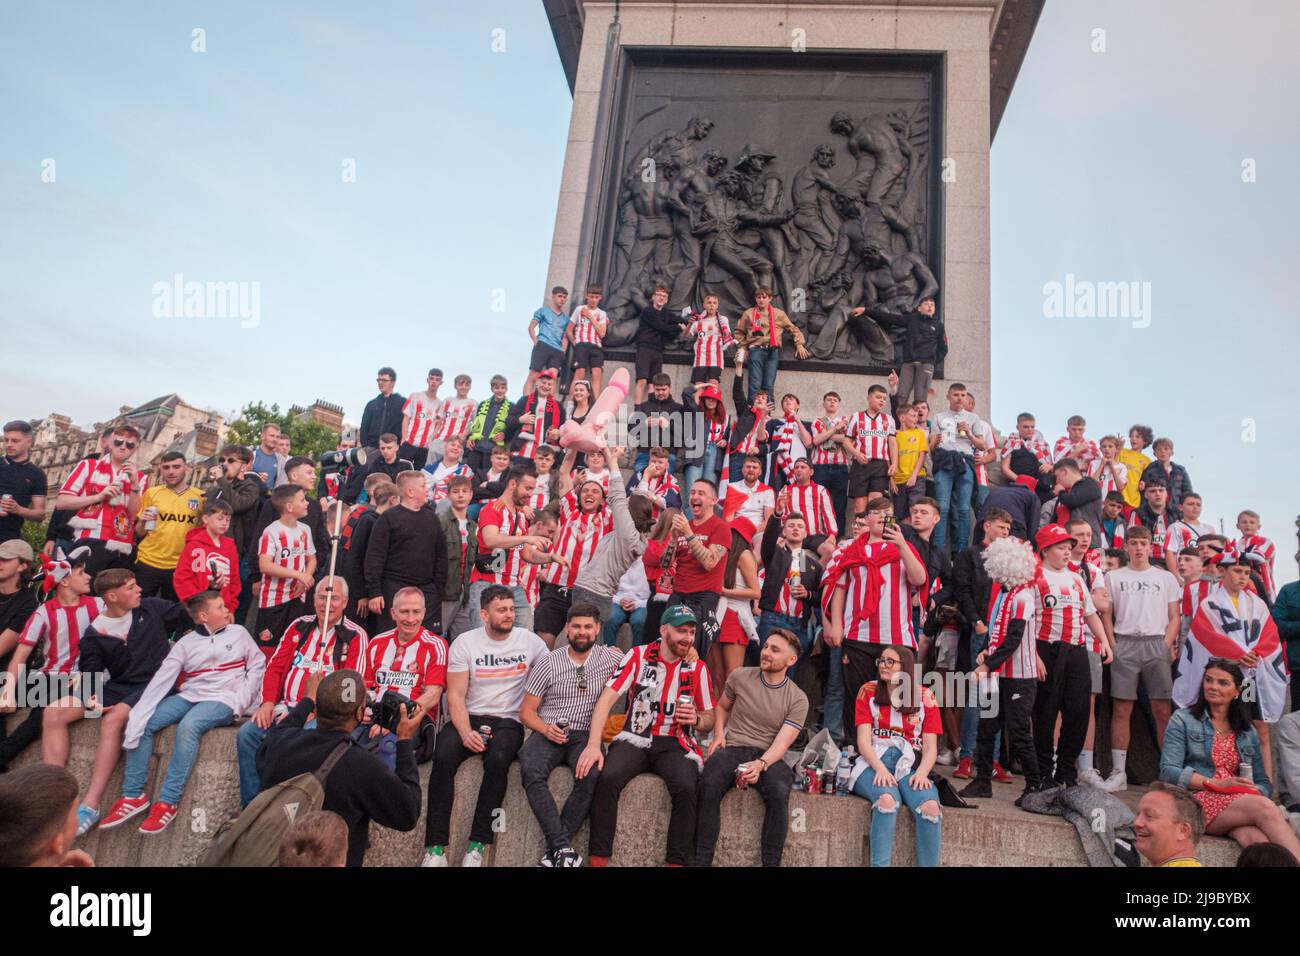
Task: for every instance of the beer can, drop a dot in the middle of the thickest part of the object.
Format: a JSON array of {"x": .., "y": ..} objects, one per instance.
[
  {"x": 485, "y": 732},
  {"x": 741, "y": 771},
  {"x": 562, "y": 725},
  {"x": 828, "y": 781}
]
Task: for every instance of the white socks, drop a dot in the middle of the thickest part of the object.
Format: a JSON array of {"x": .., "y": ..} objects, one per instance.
[
  {"x": 1085, "y": 760},
  {"x": 1117, "y": 759}
]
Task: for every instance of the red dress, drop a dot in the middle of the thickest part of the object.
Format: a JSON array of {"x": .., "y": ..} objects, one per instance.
[{"x": 1226, "y": 764}]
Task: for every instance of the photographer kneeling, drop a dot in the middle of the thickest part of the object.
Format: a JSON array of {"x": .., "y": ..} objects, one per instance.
[{"x": 359, "y": 788}]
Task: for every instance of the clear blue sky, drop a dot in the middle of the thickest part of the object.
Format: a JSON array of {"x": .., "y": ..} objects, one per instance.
[{"x": 226, "y": 166}]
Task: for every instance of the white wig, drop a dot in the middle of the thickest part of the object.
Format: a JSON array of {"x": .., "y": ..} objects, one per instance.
[{"x": 1011, "y": 562}]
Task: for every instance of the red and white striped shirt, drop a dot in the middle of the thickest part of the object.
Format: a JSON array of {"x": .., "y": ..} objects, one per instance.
[
  {"x": 579, "y": 536},
  {"x": 60, "y": 628},
  {"x": 658, "y": 488},
  {"x": 1063, "y": 604},
  {"x": 409, "y": 669},
  {"x": 541, "y": 493},
  {"x": 583, "y": 330},
  {"x": 634, "y": 669},
  {"x": 884, "y": 721},
  {"x": 1181, "y": 535},
  {"x": 1194, "y": 592},
  {"x": 289, "y": 548},
  {"x": 785, "y": 602},
  {"x": 712, "y": 339},
  {"x": 454, "y": 418},
  {"x": 296, "y": 664},
  {"x": 105, "y": 520},
  {"x": 871, "y": 434},
  {"x": 1019, "y": 604},
  {"x": 829, "y": 452},
  {"x": 1036, "y": 446},
  {"x": 814, "y": 502},
  {"x": 506, "y": 563},
  {"x": 530, "y": 579},
  {"x": 1158, "y": 531},
  {"x": 1088, "y": 461},
  {"x": 1109, "y": 482},
  {"x": 892, "y": 621},
  {"x": 1260, "y": 545},
  {"x": 422, "y": 412},
  {"x": 546, "y": 413}
]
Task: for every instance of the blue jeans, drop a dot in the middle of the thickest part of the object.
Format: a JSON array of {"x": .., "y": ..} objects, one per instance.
[
  {"x": 761, "y": 370},
  {"x": 884, "y": 822},
  {"x": 707, "y": 468},
  {"x": 617, "y": 617},
  {"x": 970, "y": 715},
  {"x": 247, "y": 741},
  {"x": 769, "y": 621},
  {"x": 195, "y": 720},
  {"x": 523, "y": 610},
  {"x": 833, "y": 693},
  {"x": 954, "y": 491}
]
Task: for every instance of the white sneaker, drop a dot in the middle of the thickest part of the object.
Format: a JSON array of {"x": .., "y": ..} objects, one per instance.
[
  {"x": 946, "y": 758},
  {"x": 1118, "y": 780},
  {"x": 433, "y": 859},
  {"x": 472, "y": 858},
  {"x": 1091, "y": 778}
]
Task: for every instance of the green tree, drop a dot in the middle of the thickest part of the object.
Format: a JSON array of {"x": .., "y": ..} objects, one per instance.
[{"x": 309, "y": 438}]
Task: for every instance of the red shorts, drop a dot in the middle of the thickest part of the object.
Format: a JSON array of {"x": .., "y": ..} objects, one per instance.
[{"x": 732, "y": 632}]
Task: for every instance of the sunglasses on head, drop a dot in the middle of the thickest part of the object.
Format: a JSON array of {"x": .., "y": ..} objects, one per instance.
[{"x": 123, "y": 443}]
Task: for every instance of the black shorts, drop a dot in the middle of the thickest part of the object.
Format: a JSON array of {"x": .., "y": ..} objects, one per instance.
[
  {"x": 868, "y": 477},
  {"x": 649, "y": 362},
  {"x": 276, "y": 620},
  {"x": 588, "y": 356},
  {"x": 545, "y": 357},
  {"x": 703, "y": 373},
  {"x": 552, "y": 608}
]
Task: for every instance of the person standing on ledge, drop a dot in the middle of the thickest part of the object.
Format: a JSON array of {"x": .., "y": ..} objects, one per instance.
[
  {"x": 546, "y": 328},
  {"x": 383, "y": 413},
  {"x": 759, "y": 335}
]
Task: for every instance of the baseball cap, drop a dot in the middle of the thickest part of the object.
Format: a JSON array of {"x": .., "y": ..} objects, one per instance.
[
  {"x": 548, "y": 373},
  {"x": 679, "y": 614},
  {"x": 1051, "y": 534},
  {"x": 16, "y": 548},
  {"x": 711, "y": 391}
]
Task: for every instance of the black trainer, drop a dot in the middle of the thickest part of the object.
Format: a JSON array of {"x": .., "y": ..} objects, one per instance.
[{"x": 980, "y": 788}]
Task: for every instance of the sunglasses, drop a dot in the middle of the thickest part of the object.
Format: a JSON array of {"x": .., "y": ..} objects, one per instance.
[
  {"x": 123, "y": 443},
  {"x": 581, "y": 670},
  {"x": 231, "y": 461}
]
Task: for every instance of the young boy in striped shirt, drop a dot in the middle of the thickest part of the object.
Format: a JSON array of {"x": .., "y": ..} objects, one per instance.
[
  {"x": 712, "y": 334},
  {"x": 585, "y": 332},
  {"x": 286, "y": 557}
]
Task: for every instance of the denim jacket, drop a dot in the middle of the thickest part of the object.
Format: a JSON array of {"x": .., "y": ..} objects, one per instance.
[{"x": 1189, "y": 748}]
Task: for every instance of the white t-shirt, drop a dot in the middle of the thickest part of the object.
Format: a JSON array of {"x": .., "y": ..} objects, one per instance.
[
  {"x": 1141, "y": 600},
  {"x": 945, "y": 424},
  {"x": 497, "y": 669},
  {"x": 761, "y": 498},
  {"x": 113, "y": 626}
]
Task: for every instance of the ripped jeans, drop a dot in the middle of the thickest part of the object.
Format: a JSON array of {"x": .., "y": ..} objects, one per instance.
[{"x": 883, "y": 822}]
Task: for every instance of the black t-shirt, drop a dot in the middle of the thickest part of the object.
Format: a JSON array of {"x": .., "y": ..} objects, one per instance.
[
  {"x": 15, "y": 609},
  {"x": 21, "y": 479}
]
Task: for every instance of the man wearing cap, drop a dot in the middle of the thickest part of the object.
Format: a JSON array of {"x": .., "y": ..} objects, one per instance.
[
  {"x": 546, "y": 329},
  {"x": 535, "y": 419},
  {"x": 669, "y": 701},
  {"x": 22, "y": 484},
  {"x": 1064, "y": 608},
  {"x": 16, "y": 600},
  {"x": 1018, "y": 499}
]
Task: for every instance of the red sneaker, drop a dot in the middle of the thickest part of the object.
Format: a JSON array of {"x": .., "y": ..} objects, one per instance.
[
  {"x": 123, "y": 810},
  {"x": 161, "y": 815},
  {"x": 1000, "y": 774},
  {"x": 965, "y": 769}
]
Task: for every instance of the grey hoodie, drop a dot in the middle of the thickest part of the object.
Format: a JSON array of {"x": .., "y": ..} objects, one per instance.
[{"x": 616, "y": 551}]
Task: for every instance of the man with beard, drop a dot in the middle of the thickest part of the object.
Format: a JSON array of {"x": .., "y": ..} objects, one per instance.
[
  {"x": 669, "y": 700},
  {"x": 504, "y": 544},
  {"x": 760, "y": 714},
  {"x": 559, "y": 698}
]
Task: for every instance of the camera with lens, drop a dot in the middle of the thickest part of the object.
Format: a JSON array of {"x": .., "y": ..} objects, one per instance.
[
  {"x": 388, "y": 710},
  {"x": 332, "y": 461}
]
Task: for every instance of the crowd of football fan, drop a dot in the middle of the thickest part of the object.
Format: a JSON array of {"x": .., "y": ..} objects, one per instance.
[{"x": 455, "y": 581}]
